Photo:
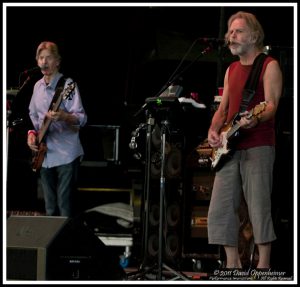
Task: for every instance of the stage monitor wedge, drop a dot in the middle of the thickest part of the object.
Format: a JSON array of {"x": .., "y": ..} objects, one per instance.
[
  {"x": 28, "y": 240},
  {"x": 57, "y": 248}
]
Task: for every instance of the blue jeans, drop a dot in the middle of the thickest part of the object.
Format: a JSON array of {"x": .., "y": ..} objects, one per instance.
[{"x": 59, "y": 185}]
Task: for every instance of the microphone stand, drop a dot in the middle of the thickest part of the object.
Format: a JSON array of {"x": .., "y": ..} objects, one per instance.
[
  {"x": 161, "y": 265},
  {"x": 14, "y": 123},
  {"x": 164, "y": 123},
  {"x": 161, "y": 196},
  {"x": 25, "y": 82},
  {"x": 9, "y": 112},
  {"x": 150, "y": 124},
  {"x": 18, "y": 121}
]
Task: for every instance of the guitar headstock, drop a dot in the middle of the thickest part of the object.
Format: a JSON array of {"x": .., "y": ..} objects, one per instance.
[
  {"x": 68, "y": 90},
  {"x": 259, "y": 108}
]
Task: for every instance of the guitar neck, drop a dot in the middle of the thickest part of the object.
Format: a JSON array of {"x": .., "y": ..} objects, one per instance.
[
  {"x": 43, "y": 129},
  {"x": 46, "y": 123},
  {"x": 236, "y": 127},
  {"x": 232, "y": 131}
]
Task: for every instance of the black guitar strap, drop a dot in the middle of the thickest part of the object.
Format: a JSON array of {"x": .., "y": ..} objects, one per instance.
[
  {"x": 252, "y": 81},
  {"x": 58, "y": 90}
]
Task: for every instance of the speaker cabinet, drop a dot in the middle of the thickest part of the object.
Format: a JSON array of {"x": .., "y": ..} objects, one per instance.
[
  {"x": 57, "y": 248},
  {"x": 172, "y": 224},
  {"x": 172, "y": 200}
]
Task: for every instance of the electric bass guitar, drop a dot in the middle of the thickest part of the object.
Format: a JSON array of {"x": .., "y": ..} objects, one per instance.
[
  {"x": 38, "y": 156},
  {"x": 229, "y": 132}
]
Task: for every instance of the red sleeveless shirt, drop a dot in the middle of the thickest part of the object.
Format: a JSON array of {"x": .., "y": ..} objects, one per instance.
[{"x": 263, "y": 133}]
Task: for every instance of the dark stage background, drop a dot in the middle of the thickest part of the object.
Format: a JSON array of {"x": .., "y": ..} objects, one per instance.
[{"x": 119, "y": 56}]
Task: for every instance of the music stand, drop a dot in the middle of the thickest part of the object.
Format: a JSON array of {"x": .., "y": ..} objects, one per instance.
[{"x": 159, "y": 105}]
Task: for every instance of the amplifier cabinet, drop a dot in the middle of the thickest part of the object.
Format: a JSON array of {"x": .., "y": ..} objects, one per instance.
[{"x": 199, "y": 187}]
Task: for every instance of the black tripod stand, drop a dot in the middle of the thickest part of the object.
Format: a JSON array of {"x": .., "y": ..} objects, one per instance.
[
  {"x": 157, "y": 268},
  {"x": 161, "y": 265}
]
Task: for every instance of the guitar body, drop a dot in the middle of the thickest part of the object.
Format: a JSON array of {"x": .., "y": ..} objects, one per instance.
[
  {"x": 38, "y": 157},
  {"x": 229, "y": 135},
  {"x": 219, "y": 155}
]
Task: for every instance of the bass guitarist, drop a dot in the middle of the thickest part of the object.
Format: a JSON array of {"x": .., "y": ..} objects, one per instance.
[
  {"x": 57, "y": 114},
  {"x": 248, "y": 171}
]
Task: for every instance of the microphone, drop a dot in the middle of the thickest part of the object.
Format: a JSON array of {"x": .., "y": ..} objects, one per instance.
[
  {"x": 31, "y": 70},
  {"x": 214, "y": 41}
]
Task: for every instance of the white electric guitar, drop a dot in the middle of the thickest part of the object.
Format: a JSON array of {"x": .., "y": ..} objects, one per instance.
[{"x": 228, "y": 132}]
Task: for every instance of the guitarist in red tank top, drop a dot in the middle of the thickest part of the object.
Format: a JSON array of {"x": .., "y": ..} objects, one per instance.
[
  {"x": 262, "y": 134},
  {"x": 248, "y": 172}
]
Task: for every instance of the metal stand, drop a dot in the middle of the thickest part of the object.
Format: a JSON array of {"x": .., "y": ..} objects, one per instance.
[
  {"x": 8, "y": 113},
  {"x": 162, "y": 196},
  {"x": 156, "y": 268},
  {"x": 161, "y": 265},
  {"x": 150, "y": 124}
]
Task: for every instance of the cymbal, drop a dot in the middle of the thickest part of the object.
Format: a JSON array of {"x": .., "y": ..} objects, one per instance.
[{"x": 12, "y": 92}]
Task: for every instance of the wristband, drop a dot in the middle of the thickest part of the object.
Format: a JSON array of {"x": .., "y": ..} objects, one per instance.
[{"x": 31, "y": 132}]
